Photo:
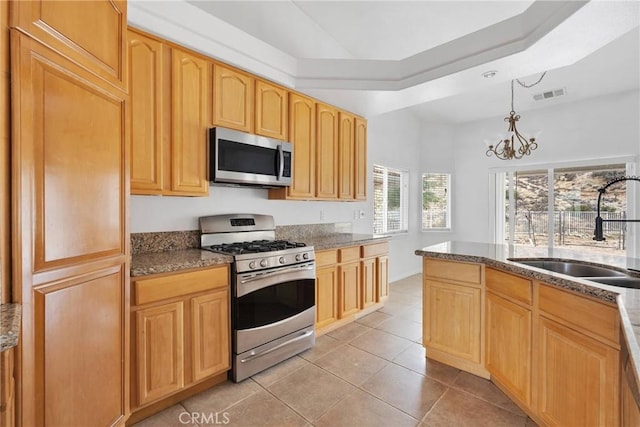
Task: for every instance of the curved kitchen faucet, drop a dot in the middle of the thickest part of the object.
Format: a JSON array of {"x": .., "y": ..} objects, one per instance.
[{"x": 597, "y": 234}]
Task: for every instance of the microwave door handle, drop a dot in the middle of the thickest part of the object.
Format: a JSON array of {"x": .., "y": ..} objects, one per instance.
[{"x": 280, "y": 162}]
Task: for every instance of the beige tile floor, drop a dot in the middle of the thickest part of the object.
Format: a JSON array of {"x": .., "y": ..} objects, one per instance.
[{"x": 372, "y": 372}]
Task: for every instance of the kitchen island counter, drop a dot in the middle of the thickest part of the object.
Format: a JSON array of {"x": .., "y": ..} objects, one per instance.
[{"x": 499, "y": 256}]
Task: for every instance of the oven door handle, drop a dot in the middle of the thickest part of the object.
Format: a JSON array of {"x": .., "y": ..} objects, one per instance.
[
  {"x": 269, "y": 278},
  {"x": 302, "y": 336}
]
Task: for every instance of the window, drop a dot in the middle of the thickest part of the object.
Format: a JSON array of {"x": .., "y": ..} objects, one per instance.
[
  {"x": 556, "y": 207},
  {"x": 390, "y": 187},
  {"x": 436, "y": 201}
]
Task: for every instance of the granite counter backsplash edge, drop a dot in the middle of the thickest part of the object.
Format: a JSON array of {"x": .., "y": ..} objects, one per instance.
[{"x": 10, "y": 317}]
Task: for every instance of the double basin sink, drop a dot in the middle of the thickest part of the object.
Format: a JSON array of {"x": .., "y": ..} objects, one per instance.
[{"x": 607, "y": 276}]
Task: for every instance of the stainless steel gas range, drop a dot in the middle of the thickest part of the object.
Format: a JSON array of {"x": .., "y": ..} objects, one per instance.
[{"x": 272, "y": 290}]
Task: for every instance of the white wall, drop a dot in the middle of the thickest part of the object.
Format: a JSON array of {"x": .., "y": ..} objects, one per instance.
[{"x": 596, "y": 128}]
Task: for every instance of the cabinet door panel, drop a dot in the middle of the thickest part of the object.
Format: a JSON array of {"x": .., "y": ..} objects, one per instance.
[
  {"x": 327, "y": 152},
  {"x": 91, "y": 33},
  {"x": 361, "y": 159},
  {"x": 349, "y": 275},
  {"x": 346, "y": 157},
  {"x": 578, "y": 378},
  {"x": 72, "y": 159},
  {"x": 210, "y": 334},
  {"x": 80, "y": 351},
  {"x": 508, "y": 349},
  {"x": 233, "y": 99},
  {"x": 302, "y": 121},
  {"x": 146, "y": 88},
  {"x": 160, "y": 351},
  {"x": 382, "y": 277},
  {"x": 271, "y": 110},
  {"x": 190, "y": 91},
  {"x": 454, "y": 319},
  {"x": 368, "y": 282},
  {"x": 326, "y": 296}
]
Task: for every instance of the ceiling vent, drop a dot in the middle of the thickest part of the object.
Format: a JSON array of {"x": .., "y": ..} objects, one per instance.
[{"x": 550, "y": 94}]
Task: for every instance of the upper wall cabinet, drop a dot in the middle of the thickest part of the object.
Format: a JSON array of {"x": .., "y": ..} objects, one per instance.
[
  {"x": 271, "y": 110},
  {"x": 302, "y": 121},
  {"x": 233, "y": 97},
  {"x": 346, "y": 152},
  {"x": 146, "y": 88},
  {"x": 327, "y": 152},
  {"x": 360, "y": 161},
  {"x": 91, "y": 33},
  {"x": 170, "y": 92},
  {"x": 189, "y": 119}
]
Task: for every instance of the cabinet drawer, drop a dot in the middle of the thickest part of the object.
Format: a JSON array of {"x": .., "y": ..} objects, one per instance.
[
  {"x": 453, "y": 270},
  {"x": 375, "y": 249},
  {"x": 175, "y": 285},
  {"x": 590, "y": 316},
  {"x": 324, "y": 258},
  {"x": 349, "y": 254},
  {"x": 509, "y": 285}
]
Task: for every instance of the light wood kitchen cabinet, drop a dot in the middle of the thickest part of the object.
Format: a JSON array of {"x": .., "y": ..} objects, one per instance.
[
  {"x": 7, "y": 389},
  {"x": 453, "y": 317},
  {"x": 578, "y": 360},
  {"x": 210, "y": 328},
  {"x": 326, "y": 152},
  {"x": 271, "y": 110},
  {"x": 349, "y": 276},
  {"x": 629, "y": 409},
  {"x": 181, "y": 336},
  {"x": 360, "y": 162},
  {"x": 189, "y": 119},
  {"x": 233, "y": 98},
  {"x": 160, "y": 351},
  {"x": 169, "y": 90},
  {"x": 509, "y": 332},
  {"x": 326, "y": 296},
  {"x": 382, "y": 277},
  {"x": 302, "y": 134},
  {"x": 5, "y": 157},
  {"x": 346, "y": 156},
  {"x": 147, "y": 90},
  {"x": 91, "y": 33},
  {"x": 70, "y": 170},
  {"x": 348, "y": 282},
  {"x": 368, "y": 282}
]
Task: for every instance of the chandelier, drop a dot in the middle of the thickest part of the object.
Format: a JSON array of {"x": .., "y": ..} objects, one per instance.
[{"x": 514, "y": 145}]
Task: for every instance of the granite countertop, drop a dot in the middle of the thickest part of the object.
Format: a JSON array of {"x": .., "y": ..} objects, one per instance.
[
  {"x": 341, "y": 240},
  {"x": 9, "y": 325},
  {"x": 495, "y": 255},
  {"x": 170, "y": 261}
]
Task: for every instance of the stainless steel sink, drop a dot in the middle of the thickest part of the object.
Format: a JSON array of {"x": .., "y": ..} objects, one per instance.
[
  {"x": 625, "y": 282},
  {"x": 573, "y": 268}
]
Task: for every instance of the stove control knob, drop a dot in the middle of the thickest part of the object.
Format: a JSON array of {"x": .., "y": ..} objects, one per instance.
[
  {"x": 298, "y": 257},
  {"x": 252, "y": 265},
  {"x": 263, "y": 263},
  {"x": 281, "y": 260},
  {"x": 305, "y": 256}
]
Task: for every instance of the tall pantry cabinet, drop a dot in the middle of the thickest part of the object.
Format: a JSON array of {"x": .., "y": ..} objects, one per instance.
[{"x": 70, "y": 185}]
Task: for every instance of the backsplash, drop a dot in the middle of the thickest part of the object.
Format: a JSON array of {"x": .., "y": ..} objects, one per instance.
[
  {"x": 162, "y": 241},
  {"x": 300, "y": 232}
]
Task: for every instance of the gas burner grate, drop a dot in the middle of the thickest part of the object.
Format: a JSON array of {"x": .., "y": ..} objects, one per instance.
[{"x": 255, "y": 246}]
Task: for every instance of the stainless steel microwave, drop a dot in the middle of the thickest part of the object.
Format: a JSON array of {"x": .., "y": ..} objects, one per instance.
[{"x": 245, "y": 159}]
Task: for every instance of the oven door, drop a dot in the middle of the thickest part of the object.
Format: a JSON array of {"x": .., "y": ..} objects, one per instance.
[
  {"x": 271, "y": 304},
  {"x": 242, "y": 158}
]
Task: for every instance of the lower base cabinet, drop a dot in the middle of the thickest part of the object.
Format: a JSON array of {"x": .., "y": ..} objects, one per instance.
[
  {"x": 7, "y": 389},
  {"x": 181, "y": 332},
  {"x": 557, "y": 354},
  {"x": 348, "y": 281}
]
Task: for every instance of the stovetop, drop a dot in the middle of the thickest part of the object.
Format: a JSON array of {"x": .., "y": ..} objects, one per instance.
[{"x": 255, "y": 246}]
